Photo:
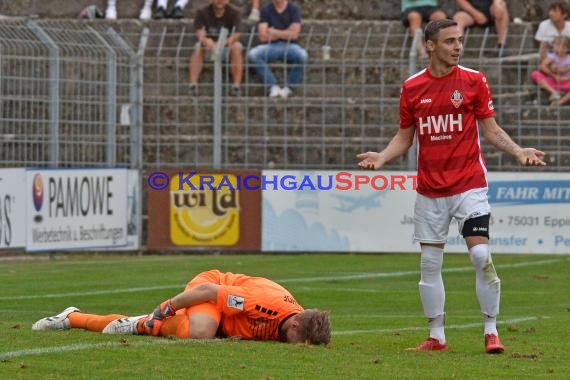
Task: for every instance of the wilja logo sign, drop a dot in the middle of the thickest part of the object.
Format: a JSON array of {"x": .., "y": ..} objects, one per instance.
[{"x": 205, "y": 217}]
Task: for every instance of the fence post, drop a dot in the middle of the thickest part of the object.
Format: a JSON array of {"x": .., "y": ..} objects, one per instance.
[
  {"x": 218, "y": 55},
  {"x": 111, "y": 151},
  {"x": 54, "y": 78},
  {"x": 412, "y": 68}
]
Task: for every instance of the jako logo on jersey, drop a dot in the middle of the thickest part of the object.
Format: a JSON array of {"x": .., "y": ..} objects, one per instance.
[
  {"x": 235, "y": 302},
  {"x": 491, "y": 106},
  {"x": 456, "y": 99},
  {"x": 441, "y": 124},
  {"x": 425, "y": 100}
]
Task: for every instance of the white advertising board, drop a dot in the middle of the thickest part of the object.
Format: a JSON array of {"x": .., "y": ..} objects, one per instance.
[
  {"x": 76, "y": 209},
  {"x": 133, "y": 212},
  {"x": 530, "y": 212},
  {"x": 12, "y": 208}
]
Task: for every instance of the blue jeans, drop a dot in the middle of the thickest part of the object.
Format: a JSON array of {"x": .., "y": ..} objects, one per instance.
[{"x": 290, "y": 53}]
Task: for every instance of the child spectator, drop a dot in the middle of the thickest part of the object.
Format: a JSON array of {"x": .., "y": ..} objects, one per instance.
[{"x": 554, "y": 73}]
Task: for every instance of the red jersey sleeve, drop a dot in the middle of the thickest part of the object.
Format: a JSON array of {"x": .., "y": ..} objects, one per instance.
[
  {"x": 483, "y": 103},
  {"x": 406, "y": 112}
]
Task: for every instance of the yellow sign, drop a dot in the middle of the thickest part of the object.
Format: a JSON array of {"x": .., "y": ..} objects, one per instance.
[{"x": 206, "y": 213}]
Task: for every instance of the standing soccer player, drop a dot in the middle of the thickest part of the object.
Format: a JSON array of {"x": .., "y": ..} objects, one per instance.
[{"x": 444, "y": 105}]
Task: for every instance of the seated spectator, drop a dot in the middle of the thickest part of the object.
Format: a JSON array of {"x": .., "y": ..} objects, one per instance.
[
  {"x": 556, "y": 24},
  {"x": 484, "y": 13},
  {"x": 162, "y": 7},
  {"x": 279, "y": 29},
  {"x": 208, "y": 23},
  {"x": 554, "y": 73},
  {"x": 111, "y": 11},
  {"x": 414, "y": 12}
]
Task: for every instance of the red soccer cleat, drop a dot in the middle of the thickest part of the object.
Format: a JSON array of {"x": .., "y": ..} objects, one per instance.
[
  {"x": 430, "y": 344},
  {"x": 493, "y": 344}
]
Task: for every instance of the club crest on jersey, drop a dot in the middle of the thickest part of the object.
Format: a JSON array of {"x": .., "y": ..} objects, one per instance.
[
  {"x": 235, "y": 302},
  {"x": 456, "y": 99}
]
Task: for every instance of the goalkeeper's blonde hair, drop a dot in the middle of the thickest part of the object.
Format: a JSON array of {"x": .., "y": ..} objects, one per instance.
[{"x": 314, "y": 326}]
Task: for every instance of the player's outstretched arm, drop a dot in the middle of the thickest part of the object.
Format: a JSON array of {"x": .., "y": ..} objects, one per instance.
[
  {"x": 496, "y": 136},
  {"x": 399, "y": 145}
]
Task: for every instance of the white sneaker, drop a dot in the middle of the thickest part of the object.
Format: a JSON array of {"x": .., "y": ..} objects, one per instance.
[
  {"x": 146, "y": 13},
  {"x": 111, "y": 13},
  {"x": 253, "y": 16},
  {"x": 123, "y": 326},
  {"x": 274, "y": 92},
  {"x": 57, "y": 322},
  {"x": 286, "y": 92}
]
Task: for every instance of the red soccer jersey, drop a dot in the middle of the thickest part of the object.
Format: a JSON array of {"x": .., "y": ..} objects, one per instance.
[{"x": 444, "y": 111}]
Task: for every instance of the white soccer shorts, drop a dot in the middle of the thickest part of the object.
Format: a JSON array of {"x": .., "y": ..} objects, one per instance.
[{"x": 432, "y": 216}]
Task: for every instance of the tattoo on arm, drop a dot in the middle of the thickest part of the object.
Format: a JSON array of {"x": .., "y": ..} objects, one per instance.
[{"x": 504, "y": 142}]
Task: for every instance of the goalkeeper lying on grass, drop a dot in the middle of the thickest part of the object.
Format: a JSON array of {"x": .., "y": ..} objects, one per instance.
[{"x": 214, "y": 304}]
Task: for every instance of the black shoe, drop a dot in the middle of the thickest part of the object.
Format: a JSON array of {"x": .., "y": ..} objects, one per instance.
[
  {"x": 176, "y": 13},
  {"x": 235, "y": 90},
  {"x": 193, "y": 90},
  {"x": 160, "y": 13}
]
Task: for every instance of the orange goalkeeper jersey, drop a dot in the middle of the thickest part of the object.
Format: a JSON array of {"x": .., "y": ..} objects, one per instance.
[{"x": 252, "y": 307}]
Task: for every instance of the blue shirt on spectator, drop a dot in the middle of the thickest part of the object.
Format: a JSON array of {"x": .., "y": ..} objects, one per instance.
[{"x": 282, "y": 20}]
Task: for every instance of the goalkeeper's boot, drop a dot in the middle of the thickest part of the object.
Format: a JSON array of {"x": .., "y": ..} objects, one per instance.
[
  {"x": 123, "y": 326},
  {"x": 493, "y": 344},
  {"x": 57, "y": 322},
  {"x": 430, "y": 344}
]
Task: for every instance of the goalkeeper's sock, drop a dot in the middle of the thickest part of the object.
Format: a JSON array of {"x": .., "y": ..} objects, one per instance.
[
  {"x": 91, "y": 322},
  {"x": 169, "y": 327}
]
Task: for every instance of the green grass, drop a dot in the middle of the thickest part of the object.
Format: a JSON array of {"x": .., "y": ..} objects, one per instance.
[{"x": 374, "y": 319}]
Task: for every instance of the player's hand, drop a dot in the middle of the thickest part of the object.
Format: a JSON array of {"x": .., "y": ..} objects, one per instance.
[
  {"x": 531, "y": 157},
  {"x": 154, "y": 321},
  {"x": 370, "y": 160},
  {"x": 480, "y": 18}
]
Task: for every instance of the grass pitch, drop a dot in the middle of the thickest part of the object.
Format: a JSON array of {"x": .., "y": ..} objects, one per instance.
[{"x": 373, "y": 299}]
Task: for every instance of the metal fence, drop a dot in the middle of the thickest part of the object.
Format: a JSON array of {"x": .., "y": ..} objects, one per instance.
[{"x": 78, "y": 93}]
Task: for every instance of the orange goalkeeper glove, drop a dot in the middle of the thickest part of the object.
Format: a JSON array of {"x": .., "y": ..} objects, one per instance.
[{"x": 154, "y": 321}]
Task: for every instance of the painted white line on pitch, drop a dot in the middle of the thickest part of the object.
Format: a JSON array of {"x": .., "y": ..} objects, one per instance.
[
  {"x": 415, "y": 272},
  {"x": 155, "y": 342},
  {"x": 361, "y": 276},
  {"x": 88, "y": 346},
  {"x": 464, "y": 326}
]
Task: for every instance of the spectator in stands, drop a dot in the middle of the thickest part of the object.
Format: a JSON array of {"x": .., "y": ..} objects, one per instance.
[
  {"x": 162, "y": 7},
  {"x": 111, "y": 11},
  {"x": 207, "y": 25},
  {"x": 279, "y": 29},
  {"x": 556, "y": 24},
  {"x": 414, "y": 12},
  {"x": 484, "y": 13},
  {"x": 554, "y": 73}
]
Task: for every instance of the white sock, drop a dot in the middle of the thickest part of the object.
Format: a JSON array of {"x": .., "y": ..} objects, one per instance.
[
  {"x": 487, "y": 285},
  {"x": 437, "y": 328},
  {"x": 161, "y": 4},
  {"x": 490, "y": 325},
  {"x": 181, "y": 3},
  {"x": 432, "y": 291}
]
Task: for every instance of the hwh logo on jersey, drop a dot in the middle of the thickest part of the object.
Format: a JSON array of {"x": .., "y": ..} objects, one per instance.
[{"x": 441, "y": 124}]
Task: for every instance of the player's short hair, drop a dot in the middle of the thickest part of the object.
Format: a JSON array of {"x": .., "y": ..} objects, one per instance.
[
  {"x": 432, "y": 29},
  {"x": 563, "y": 6},
  {"x": 314, "y": 326}
]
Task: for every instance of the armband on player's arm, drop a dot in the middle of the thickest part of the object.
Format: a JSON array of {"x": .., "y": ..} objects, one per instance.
[{"x": 154, "y": 321}]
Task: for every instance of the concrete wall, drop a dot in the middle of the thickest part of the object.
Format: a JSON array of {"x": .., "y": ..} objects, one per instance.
[{"x": 529, "y": 10}]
